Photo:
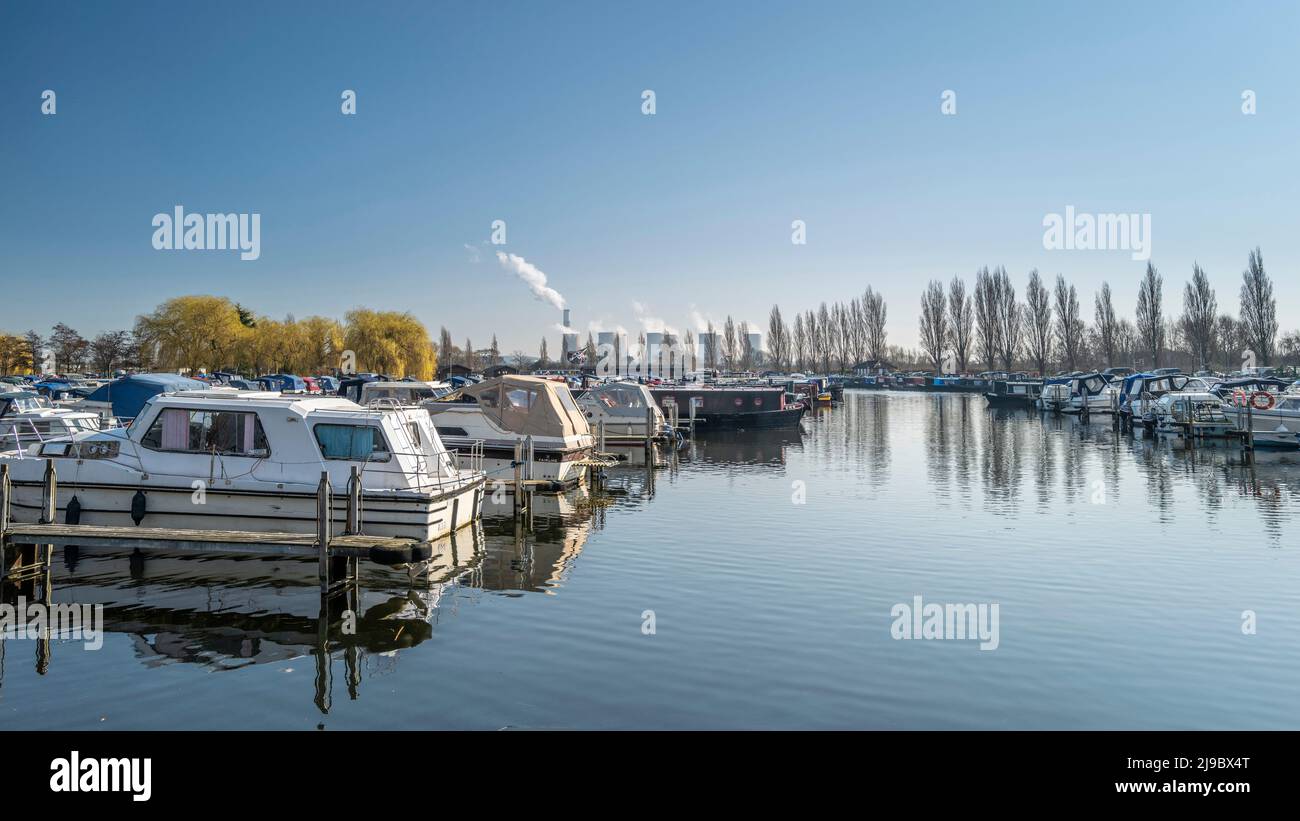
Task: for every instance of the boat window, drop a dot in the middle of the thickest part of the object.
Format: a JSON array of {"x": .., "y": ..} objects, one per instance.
[
  {"x": 414, "y": 428},
  {"x": 446, "y": 431},
  {"x": 520, "y": 398},
  {"x": 490, "y": 398},
  {"x": 227, "y": 432},
  {"x": 355, "y": 443}
]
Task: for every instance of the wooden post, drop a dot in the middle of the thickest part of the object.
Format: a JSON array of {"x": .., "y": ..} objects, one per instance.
[
  {"x": 354, "y": 502},
  {"x": 1250, "y": 431},
  {"x": 649, "y": 430},
  {"x": 600, "y": 436},
  {"x": 529, "y": 456},
  {"x": 519, "y": 485},
  {"x": 4, "y": 500},
  {"x": 324, "y": 517},
  {"x": 50, "y": 494}
]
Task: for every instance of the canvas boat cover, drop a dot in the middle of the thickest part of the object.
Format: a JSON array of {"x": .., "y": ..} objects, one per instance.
[{"x": 528, "y": 406}]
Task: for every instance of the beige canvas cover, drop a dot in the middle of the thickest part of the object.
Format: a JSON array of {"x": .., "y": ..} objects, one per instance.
[{"x": 529, "y": 406}]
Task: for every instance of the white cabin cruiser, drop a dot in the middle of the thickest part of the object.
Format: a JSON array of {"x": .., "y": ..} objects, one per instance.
[
  {"x": 29, "y": 418},
  {"x": 1055, "y": 397},
  {"x": 623, "y": 407},
  {"x": 508, "y": 410},
  {"x": 226, "y": 460},
  {"x": 1274, "y": 418},
  {"x": 1093, "y": 391},
  {"x": 1200, "y": 412}
]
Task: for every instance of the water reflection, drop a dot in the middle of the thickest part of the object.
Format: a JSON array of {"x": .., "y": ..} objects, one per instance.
[{"x": 908, "y": 492}]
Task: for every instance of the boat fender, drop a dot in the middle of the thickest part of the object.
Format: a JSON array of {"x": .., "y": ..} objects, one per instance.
[
  {"x": 138, "y": 507},
  {"x": 72, "y": 513},
  {"x": 1262, "y": 400},
  {"x": 390, "y": 555}
]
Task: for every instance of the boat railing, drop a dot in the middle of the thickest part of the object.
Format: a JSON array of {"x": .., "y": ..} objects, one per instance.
[{"x": 468, "y": 459}]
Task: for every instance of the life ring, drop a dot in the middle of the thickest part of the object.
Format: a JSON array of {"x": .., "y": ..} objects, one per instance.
[{"x": 1262, "y": 400}]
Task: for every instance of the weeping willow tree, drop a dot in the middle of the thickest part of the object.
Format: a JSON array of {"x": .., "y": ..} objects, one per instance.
[{"x": 391, "y": 342}]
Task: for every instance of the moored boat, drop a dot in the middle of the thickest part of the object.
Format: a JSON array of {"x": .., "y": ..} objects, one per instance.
[{"x": 227, "y": 460}]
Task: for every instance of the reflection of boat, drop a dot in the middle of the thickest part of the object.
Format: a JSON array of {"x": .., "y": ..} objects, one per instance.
[
  {"x": 228, "y": 612},
  {"x": 226, "y": 460},
  {"x": 502, "y": 412}
]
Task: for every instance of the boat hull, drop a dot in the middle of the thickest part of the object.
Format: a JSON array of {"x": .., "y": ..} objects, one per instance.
[{"x": 405, "y": 515}]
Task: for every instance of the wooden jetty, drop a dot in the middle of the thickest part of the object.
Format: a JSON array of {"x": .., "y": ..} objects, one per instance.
[{"x": 25, "y": 549}]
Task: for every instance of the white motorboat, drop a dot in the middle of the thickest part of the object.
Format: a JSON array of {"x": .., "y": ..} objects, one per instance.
[
  {"x": 1055, "y": 397},
  {"x": 1274, "y": 418},
  {"x": 1199, "y": 413},
  {"x": 517, "y": 410},
  {"x": 28, "y": 418},
  {"x": 229, "y": 460},
  {"x": 1092, "y": 391},
  {"x": 623, "y": 408}
]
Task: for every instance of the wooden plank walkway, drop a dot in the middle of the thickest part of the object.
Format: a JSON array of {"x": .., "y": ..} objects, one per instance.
[{"x": 210, "y": 541}]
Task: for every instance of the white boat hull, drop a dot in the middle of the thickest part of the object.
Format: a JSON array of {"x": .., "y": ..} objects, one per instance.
[{"x": 384, "y": 513}]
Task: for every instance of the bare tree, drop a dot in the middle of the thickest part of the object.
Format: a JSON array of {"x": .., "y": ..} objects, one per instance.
[
  {"x": 1258, "y": 310},
  {"x": 961, "y": 320},
  {"x": 1199, "y": 316},
  {"x": 987, "y": 328},
  {"x": 1107, "y": 324},
  {"x": 934, "y": 323},
  {"x": 777, "y": 340},
  {"x": 1038, "y": 321},
  {"x": 826, "y": 335},
  {"x": 874, "y": 313},
  {"x": 1070, "y": 337},
  {"x": 799, "y": 343},
  {"x": 1150, "y": 315},
  {"x": 710, "y": 347},
  {"x": 814, "y": 332},
  {"x": 730, "y": 350},
  {"x": 541, "y": 355}
]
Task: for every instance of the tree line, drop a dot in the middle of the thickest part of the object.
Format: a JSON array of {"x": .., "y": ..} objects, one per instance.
[
  {"x": 194, "y": 333},
  {"x": 993, "y": 328}
]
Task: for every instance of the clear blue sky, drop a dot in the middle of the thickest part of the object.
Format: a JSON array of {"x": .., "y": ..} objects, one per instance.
[{"x": 531, "y": 113}]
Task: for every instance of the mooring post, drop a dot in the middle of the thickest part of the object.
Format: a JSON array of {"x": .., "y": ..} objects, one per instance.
[
  {"x": 529, "y": 453},
  {"x": 354, "y": 502},
  {"x": 1250, "y": 430},
  {"x": 600, "y": 436},
  {"x": 519, "y": 484},
  {"x": 4, "y": 501},
  {"x": 649, "y": 429},
  {"x": 324, "y": 515},
  {"x": 50, "y": 494}
]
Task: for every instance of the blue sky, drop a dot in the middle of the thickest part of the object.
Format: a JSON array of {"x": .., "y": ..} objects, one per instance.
[{"x": 531, "y": 113}]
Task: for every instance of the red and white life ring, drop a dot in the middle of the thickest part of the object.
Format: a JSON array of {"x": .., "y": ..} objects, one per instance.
[{"x": 1262, "y": 400}]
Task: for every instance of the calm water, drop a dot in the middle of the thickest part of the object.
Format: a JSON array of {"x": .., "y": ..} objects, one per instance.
[{"x": 1121, "y": 567}]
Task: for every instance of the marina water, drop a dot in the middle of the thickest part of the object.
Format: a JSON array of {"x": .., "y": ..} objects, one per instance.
[{"x": 747, "y": 583}]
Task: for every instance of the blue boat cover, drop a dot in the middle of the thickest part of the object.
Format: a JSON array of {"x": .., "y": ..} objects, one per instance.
[{"x": 129, "y": 394}]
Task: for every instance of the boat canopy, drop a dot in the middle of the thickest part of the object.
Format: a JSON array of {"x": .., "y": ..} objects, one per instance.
[
  {"x": 623, "y": 399},
  {"x": 283, "y": 382},
  {"x": 529, "y": 406},
  {"x": 129, "y": 394}
]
